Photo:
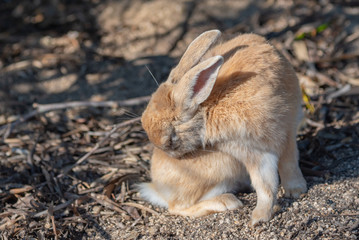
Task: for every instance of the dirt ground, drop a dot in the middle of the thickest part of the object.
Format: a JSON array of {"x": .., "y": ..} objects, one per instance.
[{"x": 63, "y": 176}]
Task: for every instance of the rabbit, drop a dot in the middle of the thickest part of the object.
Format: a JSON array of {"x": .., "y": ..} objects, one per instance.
[
  {"x": 195, "y": 185},
  {"x": 240, "y": 97}
]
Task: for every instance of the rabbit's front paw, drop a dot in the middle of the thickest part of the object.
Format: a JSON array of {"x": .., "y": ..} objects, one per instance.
[
  {"x": 294, "y": 190},
  {"x": 260, "y": 215}
]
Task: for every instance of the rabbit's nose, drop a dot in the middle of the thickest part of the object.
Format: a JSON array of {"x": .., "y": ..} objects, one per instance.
[{"x": 173, "y": 141}]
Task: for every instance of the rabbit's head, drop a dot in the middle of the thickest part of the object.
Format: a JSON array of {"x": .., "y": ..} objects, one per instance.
[{"x": 173, "y": 119}]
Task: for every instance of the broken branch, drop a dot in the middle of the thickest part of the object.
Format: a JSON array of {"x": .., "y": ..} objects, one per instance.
[{"x": 43, "y": 108}]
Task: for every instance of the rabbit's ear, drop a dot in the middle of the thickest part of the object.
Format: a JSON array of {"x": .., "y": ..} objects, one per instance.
[
  {"x": 196, "y": 85},
  {"x": 194, "y": 53}
]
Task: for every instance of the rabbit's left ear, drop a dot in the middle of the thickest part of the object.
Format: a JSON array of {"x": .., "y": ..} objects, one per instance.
[
  {"x": 194, "y": 53},
  {"x": 196, "y": 85}
]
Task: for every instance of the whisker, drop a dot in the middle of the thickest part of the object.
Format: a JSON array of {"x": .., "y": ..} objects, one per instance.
[
  {"x": 131, "y": 114},
  {"x": 139, "y": 131},
  {"x": 125, "y": 118},
  {"x": 134, "y": 114},
  {"x": 152, "y": 75}
]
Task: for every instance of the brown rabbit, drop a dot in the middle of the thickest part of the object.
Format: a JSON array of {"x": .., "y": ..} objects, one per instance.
[{"x": 241, "y": 98}]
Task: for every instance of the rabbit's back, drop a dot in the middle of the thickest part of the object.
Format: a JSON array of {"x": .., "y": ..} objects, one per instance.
[
  {"x": 250, "y": 55},
  {"x": 256, "y": 94}
]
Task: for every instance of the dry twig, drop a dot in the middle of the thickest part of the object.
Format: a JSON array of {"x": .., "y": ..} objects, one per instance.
[
  {"x": 43, "y": 108},
  {"x": 104, "y": 201},
  {"x": 139, "y": 206},
  {"x": 98, "y": 144},
  {"x": 51, "y": 214},
  {"x": 21, "y": 190},
  {"x": 56, "y": 208}
]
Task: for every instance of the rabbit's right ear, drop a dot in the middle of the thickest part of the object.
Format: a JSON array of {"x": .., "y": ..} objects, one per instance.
[
  {"x": 196, "y": 85},
  {"x": 194, "y": 53}
]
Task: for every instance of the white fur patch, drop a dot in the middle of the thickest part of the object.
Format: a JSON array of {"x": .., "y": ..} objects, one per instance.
[
  {"x": 269, "y": 166},
  {"x": 268, "y": 171},
  {"x": 221, "y": 188},
  {"x": 148, "y": 193}
]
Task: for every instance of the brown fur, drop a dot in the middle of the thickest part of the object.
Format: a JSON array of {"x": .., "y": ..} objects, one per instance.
[
  {"x": 250, "y": 116},
  {"x": 191, "y": 178}
]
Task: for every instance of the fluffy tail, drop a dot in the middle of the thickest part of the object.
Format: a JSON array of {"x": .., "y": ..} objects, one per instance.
[{"x": 149, "y": 193}]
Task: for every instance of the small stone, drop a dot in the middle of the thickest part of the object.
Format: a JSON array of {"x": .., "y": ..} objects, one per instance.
[
  {"x": 96, "y": 209},
  {"x": 152, "y": 230},
  {"x": 48, "y": 225}
]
